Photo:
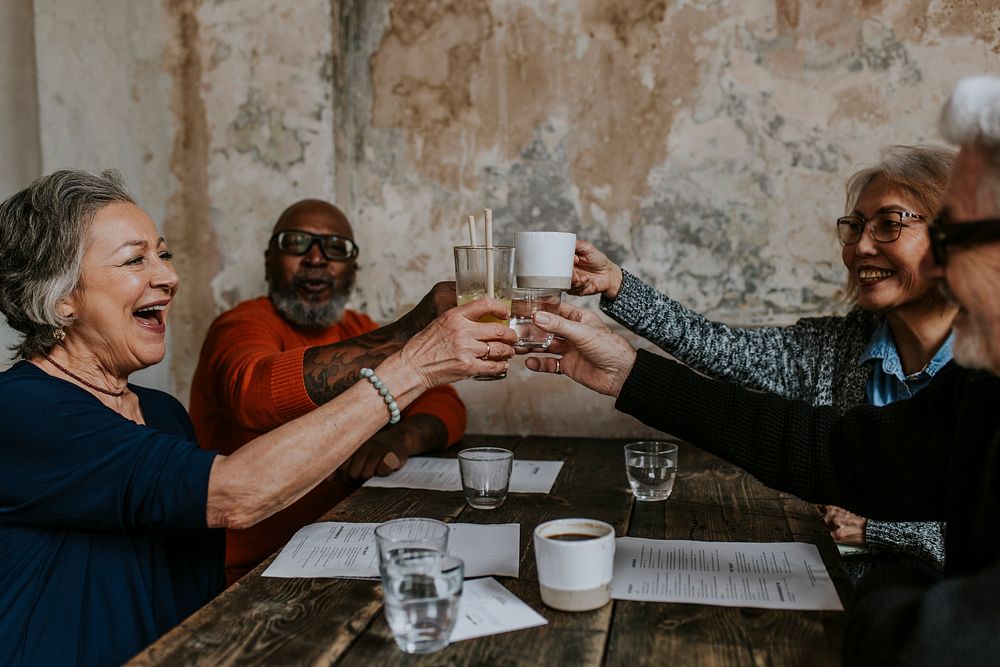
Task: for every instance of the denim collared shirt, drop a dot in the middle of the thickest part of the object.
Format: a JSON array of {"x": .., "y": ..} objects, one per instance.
[{"x": 887, "y": 383}]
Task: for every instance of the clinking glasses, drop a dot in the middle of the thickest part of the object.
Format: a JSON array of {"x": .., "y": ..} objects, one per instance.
[
  {"x": 297, "y": 242},
  {"x": 944, "y": 232}
]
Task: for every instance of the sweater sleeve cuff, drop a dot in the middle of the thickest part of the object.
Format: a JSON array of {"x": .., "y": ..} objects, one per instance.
[
  {"x": 288, "y": 388},
  {"x": 642, "y": 392},
  {"x": 629, "y": 291}
]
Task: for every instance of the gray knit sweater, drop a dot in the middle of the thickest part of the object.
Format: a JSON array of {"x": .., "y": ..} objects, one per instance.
[{"x": 814, "y": 360}]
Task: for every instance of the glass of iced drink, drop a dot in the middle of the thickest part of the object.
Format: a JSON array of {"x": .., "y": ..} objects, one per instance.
[{"x": 470, "y": 279}]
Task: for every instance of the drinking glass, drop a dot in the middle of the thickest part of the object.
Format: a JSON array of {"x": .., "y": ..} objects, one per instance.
[
  {"x": 651, "y": 466},
  {"x": 421, "y": 592},
  {"x": 470, "y": 280},
  {"x": 409, "y": 536},
  {"x": 525, "y": 302},
  {"x": 485, "y": 475}
]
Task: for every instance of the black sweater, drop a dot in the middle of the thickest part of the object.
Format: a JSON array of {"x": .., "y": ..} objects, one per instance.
[{"x": 933, "y": 457}]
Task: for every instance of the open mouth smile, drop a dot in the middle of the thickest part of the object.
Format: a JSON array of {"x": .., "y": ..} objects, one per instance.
[
  {"x": 151, "y": 317},
  {"x": 870, "y": 275}
]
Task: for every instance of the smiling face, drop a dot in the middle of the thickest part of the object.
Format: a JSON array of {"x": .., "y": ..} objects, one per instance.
[
  {"x": 972, "y": 274},
  {"x": 310, "y": 290},
  {"x": 120, "y": 307},
  {"x": 890, "y": 275}
]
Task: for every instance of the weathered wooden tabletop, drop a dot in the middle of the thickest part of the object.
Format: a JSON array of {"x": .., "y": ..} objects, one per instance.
[{"x": 269, "y": 621}]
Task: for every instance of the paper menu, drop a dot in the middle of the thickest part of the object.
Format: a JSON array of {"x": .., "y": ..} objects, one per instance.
[
  {"x": 487, "y": 608},
  {"x": 341, "y": 549},
  {"x": 437, "y": 474},
  {"x": 771, "y": 575}
]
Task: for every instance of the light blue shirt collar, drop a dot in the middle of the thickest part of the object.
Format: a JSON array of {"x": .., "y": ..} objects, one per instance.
[{"x": 887, "y": 383}]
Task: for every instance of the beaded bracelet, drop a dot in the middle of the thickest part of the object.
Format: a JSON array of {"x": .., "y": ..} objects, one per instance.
[{"x": 384, "y": 392}]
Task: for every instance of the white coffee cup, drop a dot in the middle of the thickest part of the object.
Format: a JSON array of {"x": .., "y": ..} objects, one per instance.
[
  {"x": 575, "y": 559},
  {"x": 544, "y": 259}
]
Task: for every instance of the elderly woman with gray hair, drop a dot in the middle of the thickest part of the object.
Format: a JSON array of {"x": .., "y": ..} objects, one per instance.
[
  {"x": 897, "y": 337},
  {"x": 107, "y": 504}
]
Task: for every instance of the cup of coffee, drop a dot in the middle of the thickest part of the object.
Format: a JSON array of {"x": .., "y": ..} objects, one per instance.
[
  {"x": 544, "y": 259},
  {"x": 575, "y": 559}
]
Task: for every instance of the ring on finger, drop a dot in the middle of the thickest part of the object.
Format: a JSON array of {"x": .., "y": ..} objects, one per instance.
[
  {"x": 486, "y": 354},
  {"x": 558, "y": 369}
]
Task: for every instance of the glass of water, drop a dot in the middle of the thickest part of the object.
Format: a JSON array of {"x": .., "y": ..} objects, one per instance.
[
  {"x": 485, "y": 475},
  {"x": 651, "y": 466},
  {"x": 525, "y": 302},
  {"x": 421, "y": 593},
  {"x": 409, "y": 536}
]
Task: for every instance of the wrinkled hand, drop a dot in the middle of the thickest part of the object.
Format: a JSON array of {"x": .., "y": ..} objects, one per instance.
[
  {"x": 845, "y": 527},
  {"x": 591, "y": 353},
  {"x": 594, "y": 273},
  {"x": 383, "y": 453},
  {"x": 454, "y": 345}
]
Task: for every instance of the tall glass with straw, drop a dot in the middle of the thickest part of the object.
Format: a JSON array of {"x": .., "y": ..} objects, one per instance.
[{"x": 484, "y": 270}]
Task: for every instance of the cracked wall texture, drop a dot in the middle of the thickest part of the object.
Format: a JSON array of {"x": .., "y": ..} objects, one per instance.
[{"x": 702, "y": 144}]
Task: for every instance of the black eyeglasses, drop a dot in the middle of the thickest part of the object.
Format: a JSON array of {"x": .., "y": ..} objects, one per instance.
[
  {"x": 945, "y": 232},
  {"x": 335, "y": 248},
  {"x": 886, "y": 226}
]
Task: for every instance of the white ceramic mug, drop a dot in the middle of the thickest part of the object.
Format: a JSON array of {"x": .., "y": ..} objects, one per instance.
[
  {"x": 544, "y": 259},
  {"x": 575, "y": 559}
]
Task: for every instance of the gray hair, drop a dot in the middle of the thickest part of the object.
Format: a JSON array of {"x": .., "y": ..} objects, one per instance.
[
  {"x": 919, "y": 172},
  {"x": 43, "y": 232},
  {"x": 972, "y": 115}
]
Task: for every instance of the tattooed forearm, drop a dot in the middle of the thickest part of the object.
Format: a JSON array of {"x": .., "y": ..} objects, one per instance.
[{"x": 329, "y": 370}]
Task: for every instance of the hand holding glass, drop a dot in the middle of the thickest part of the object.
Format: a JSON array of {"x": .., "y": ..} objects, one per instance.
[
  {"x": 525, "y": 302},
  {"x": 471, "y": 276},
  {"x": 421, "y": 593}
]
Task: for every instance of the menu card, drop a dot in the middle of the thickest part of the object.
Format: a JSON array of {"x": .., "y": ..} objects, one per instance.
[
  {"x": 771, "y": 575},
  {"x": 339, "y": 549},
  {"x": 487, "y": 608},
  {"x": 436, "y": 474}
]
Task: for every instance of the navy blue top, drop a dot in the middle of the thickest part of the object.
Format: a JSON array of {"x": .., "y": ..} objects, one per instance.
[{"x": 103, "y": 540}]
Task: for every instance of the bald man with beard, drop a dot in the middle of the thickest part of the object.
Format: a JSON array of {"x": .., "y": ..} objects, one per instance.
[{"x": 274, "y": 358}]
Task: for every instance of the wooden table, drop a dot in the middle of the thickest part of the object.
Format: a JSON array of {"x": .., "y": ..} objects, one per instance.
[{"x": 268, "y": 621}]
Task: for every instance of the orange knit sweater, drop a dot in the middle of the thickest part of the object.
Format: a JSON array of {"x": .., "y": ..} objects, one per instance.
[{"x": 249, "y": 381}]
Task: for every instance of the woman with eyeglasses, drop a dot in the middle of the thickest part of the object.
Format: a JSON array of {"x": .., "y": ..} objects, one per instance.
[
  {"x": 888, "y": 347},
  {"x": 109, "y": 510}
]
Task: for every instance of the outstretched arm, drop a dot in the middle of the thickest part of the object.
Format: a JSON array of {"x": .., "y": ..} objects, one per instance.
[
  {"x": 329, "y": 370},
  {"x": 788, "y": 361}
]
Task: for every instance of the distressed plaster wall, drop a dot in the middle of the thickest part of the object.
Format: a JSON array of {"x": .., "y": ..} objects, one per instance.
[
  {"x": 702, "y": 144},
  {"x": 19, "y": 150},
  {"x": 103, "y": 97}
]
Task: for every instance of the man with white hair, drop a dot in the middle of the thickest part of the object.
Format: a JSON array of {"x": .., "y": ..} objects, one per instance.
[{"x": 935, "y": 456}]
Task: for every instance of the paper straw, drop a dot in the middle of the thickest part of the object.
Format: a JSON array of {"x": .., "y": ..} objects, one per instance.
[
  {"x": 489, "y": 253},
  {"x": 472, "y": 229}
]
